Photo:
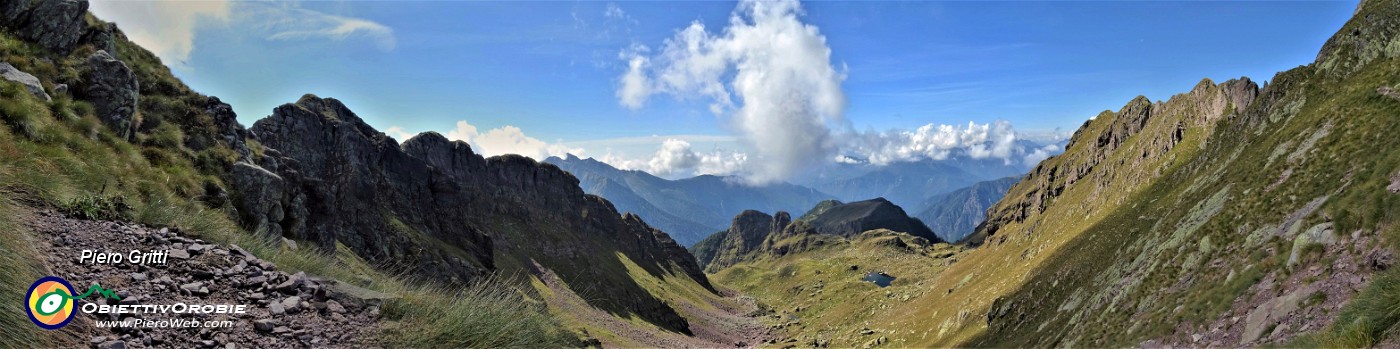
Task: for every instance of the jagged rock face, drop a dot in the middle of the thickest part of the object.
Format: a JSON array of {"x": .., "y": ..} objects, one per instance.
[
  {"x": 360, "y": 190},
  {"x": 744, "y": 236},
  {"x": 31, "y": 83},
  {"x": 453, "y": 215},
  {"x": 1158, "y": 126},
  {"x": 851, "y": 219},
  {"x": 113, "y": 91},
  {"x": 54, "y": 24}
]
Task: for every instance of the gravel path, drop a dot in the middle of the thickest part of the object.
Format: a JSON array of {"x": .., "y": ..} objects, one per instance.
[{"x": 283, "y": 310}]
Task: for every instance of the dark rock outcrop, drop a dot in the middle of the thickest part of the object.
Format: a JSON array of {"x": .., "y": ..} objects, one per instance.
[
  {"x": 54, "y": 24},
  {"x": 448, "y": 214},
  {"x": 851, "y": 219},
  {"x": 262, "y": 198},
  {"x": 229, "y": 131},
  {"x": 113, "y": 91},
  {"x": 359, "y": 190},
  {"x": 744, "y": 236},
  {"x": 754, "y": 234}
]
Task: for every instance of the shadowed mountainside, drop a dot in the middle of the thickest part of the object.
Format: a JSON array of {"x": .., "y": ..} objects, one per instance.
[{"x": 438, "y": 208}]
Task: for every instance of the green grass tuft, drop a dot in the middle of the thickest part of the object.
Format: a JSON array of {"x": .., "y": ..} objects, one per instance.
[
  {"x": 97, "y": 207},
  {"x": 489, "y": 314}
]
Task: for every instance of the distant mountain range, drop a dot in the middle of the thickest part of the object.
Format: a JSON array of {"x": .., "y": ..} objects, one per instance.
[
  {"x": 688, "y": 209},
  {"x": 954, "y": 215},
  {"x": 692, "y": 208},
  {"x": 909, "y": 184}
]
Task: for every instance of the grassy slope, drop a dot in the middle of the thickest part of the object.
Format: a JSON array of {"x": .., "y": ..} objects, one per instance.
[
  {"x": 55, "y": 153},
  {"x": 1182, "y": 249},
  {"x": 1210, "y": 206},
  {"x": 818, "y": 299},
  {"x": 1152, "y": 239}
]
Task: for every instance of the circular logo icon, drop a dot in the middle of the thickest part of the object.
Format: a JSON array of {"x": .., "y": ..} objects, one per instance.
[{"x": 50, "y": 302}]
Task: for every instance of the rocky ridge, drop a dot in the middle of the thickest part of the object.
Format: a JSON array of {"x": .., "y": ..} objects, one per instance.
[
  {"x": 853, "y": 218},
  {"x": 447, "y": 213},
  {"x": 754, "y": 234},
  {"x": 315, "y": 174},
  {"x": 1225, "y": 216}
]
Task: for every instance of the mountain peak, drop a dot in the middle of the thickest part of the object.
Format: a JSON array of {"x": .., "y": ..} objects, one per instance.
[{"x": 854, "y": 218}]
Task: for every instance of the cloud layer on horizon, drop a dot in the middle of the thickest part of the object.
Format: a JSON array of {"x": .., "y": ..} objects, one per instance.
[
  {"x": 995, "y": 140},
  {"x": 497, "y": 141}
]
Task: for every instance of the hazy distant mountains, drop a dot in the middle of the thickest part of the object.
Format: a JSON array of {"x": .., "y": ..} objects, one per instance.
[
  {"x": 907, "y": 184},
  {"x": 954, "y": 215},
  {"x": 692, "y": 208},
  {"x": 688, "y": 209}
]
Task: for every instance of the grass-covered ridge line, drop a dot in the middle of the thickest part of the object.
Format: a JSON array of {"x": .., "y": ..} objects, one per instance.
[
  {"x": 57, "y": 154},
  {"x": 1173, "y": 256}
]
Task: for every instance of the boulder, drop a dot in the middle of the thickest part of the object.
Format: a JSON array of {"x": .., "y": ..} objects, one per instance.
[
  {"x": 259, "y": 198},
  {"x": 113, "y": 91},
  {"x": 54, "y": 24},
  {"x": 1389, "y": 92},
  {"x": 355, "y": 296},
  {"x": 1320, "y": 234},
  {"x": 31, "y": 83},
  {"x": 1271, "y": 311}
]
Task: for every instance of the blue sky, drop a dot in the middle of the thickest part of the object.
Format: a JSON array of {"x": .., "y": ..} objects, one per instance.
[{"x": 553, "y": 69}]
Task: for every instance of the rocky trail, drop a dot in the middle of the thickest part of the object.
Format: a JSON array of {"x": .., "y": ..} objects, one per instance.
[{"x": 283, "y": 310}]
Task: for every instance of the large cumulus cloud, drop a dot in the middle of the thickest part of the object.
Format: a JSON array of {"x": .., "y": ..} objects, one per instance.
[{"x": 768, "y": 73}]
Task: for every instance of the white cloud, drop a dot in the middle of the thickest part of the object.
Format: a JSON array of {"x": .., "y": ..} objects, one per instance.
[
  {"x": 778, "y": 68},
  {"x": 674, "y": 158},
  {"x": 614, "y": 11},
  {"x": 290, "y": 22},
  {"x": 636, "y": 87},
  {"x": 498, "y": 141},
  {"x": 938, "y": 142},
  {"x": 398, "y": 133},
  {"x": 166, "y": 28},
  {"x": 1040, "y": 154}
]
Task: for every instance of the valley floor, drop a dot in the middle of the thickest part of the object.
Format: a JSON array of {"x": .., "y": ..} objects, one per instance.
[
  {"x": 819, "y": 297},
  {"x": 717, "y": 321}
]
